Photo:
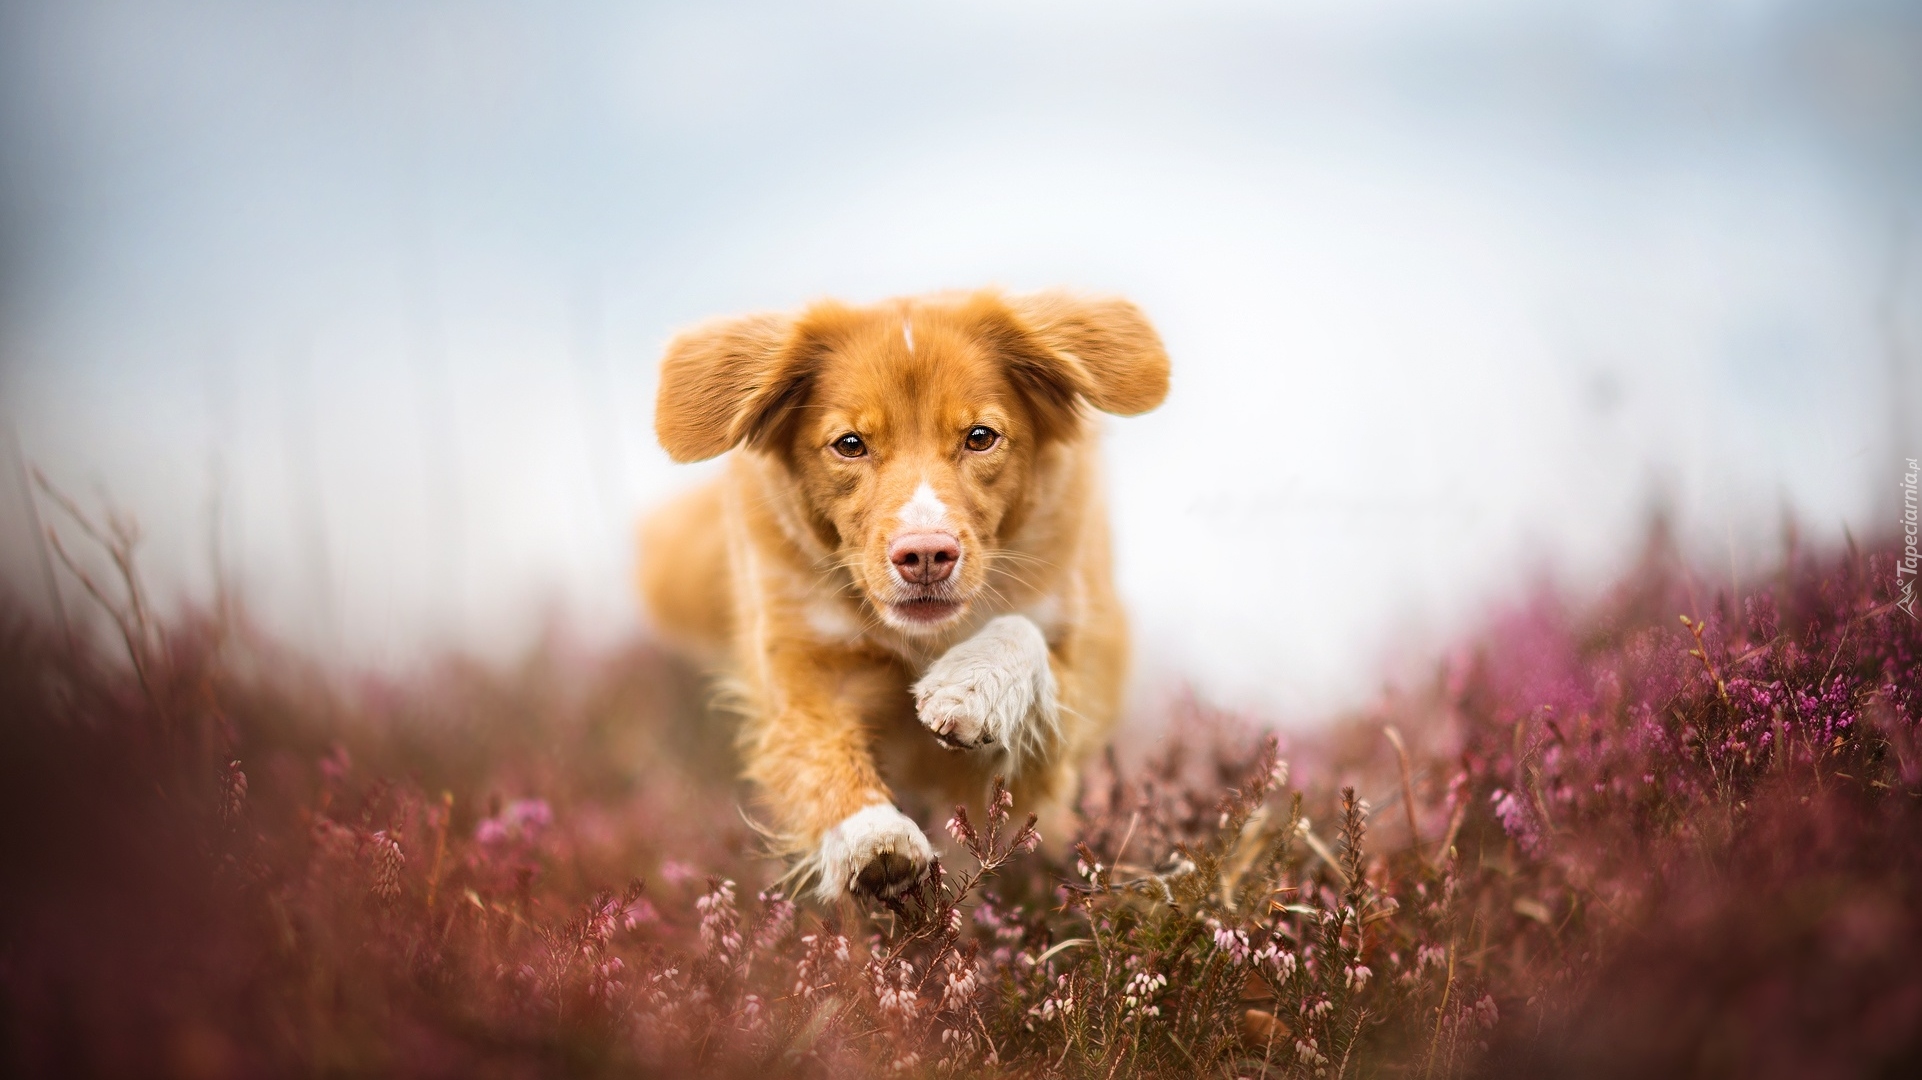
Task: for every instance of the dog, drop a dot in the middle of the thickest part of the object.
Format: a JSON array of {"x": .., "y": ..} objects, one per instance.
[{"x": 904, "y": 568}]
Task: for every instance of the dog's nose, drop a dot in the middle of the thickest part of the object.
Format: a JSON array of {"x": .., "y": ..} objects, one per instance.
[{"x": 924, "y": 557}]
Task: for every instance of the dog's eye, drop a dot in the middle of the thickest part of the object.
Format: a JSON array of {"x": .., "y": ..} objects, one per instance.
[
  {"x": 982, "y": 438},
  {"x": 850, "y": 446}
]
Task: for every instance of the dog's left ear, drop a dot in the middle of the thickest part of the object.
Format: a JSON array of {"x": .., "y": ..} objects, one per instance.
[
  {"x": 1101, "y": 349},
  {"x": 726, "y": 383}
]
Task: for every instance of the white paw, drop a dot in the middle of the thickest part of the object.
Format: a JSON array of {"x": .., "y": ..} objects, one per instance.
[
  {"x": 878, "y": 851},
  {"x": 994, "y": 688}
]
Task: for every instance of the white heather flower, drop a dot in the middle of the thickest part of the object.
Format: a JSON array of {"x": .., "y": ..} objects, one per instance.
[
  {"x": 1139, "y": 995},
  {"x": 1357, "y": 976},
  {"x": 895, "y": 995},
  {"x": 720, "y": 924},
  {"x": 1060, "y": 1003},
  {"x": 961, "y": 984},
  {"x": 1232, "y": 942},
  {"x": 1278, "y": 958}
]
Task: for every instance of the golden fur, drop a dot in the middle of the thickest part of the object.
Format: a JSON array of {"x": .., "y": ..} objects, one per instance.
[{"x": 787, "y": 571}]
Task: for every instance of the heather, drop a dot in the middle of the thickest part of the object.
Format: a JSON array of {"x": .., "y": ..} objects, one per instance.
[{"x": 1672, "y": 830}]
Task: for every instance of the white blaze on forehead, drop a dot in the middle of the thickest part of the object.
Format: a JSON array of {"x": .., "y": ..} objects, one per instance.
[
  {"x": 925, "y": 510},
  {"x": 907, "y": 334}
]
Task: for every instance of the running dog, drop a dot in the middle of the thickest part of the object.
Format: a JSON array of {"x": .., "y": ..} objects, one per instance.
[{"x": 904, "y": 568}]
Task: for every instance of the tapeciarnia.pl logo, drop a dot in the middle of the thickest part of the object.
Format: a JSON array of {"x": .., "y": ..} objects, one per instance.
[{"x": 1905, "y": 570}]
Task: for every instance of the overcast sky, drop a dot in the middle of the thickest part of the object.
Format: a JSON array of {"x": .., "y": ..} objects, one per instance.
[{"x": 1456, "y": 292}]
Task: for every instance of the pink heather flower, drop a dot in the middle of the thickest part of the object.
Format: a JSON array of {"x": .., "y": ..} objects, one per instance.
[
  {"x": 660, "y": 988},
  {"x": 821, "y": 953},
  {"x": 336, "y": 765},
  {"x": 599, "y": 928},
  {"x": 638, "y": 913},
  {"x": 720, "y": 923},
  {"x": 521, "y": 820},
  {"x": 606, "y": 979},
  {"x": 676, "y": 872},
  {"x": 527, "y": 815},
  {"x": 333, "y": 838},
  {"x": 234, "y": 797},
  {"x": 776, "y": 920},
  {"x": 1519, "y": 822},
  {"x": 386, "y": 859}
]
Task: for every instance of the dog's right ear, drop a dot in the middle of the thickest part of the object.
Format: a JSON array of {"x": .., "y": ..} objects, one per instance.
[{"x": 725, "y": 383}]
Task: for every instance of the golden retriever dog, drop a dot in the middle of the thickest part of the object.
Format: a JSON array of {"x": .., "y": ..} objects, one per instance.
[{"x": 904, "y": 568}]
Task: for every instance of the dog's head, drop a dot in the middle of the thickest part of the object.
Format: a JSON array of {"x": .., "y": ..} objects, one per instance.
[{"x": 912, "y": 429}]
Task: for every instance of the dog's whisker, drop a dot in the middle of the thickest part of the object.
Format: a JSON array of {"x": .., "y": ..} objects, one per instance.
[{"x": 1013, "y": 555}]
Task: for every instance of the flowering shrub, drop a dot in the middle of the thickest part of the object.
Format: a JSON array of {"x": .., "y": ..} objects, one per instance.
[{"x": 1599, "y": 840}]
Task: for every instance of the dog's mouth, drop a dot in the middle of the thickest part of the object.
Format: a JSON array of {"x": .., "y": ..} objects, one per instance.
[{"x": 924, "y": 612}]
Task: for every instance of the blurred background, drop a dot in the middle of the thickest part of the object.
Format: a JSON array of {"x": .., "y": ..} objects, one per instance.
[{"x": 358, "y": 304}]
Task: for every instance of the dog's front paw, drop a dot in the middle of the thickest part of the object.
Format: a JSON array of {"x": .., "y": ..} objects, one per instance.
[
  {"x": 878, "y": 852},
  {"x": 994, "y": 688}
]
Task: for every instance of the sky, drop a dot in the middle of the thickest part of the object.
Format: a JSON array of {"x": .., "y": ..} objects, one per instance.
[{"x": 360, "y": 302}]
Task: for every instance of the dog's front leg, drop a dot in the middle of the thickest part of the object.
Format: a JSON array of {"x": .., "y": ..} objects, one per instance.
[
  {"x": 996, "y": 689},
  {"x": 809, "y": 755}
]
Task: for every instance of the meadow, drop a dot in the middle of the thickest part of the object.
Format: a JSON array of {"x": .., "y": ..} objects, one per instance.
[{"x": 1676, "y": 830}]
